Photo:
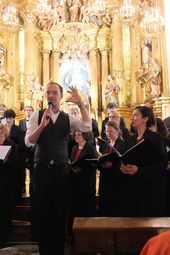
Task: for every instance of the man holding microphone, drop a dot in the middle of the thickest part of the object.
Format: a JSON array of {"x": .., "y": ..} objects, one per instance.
[{"x": 49, "y": 129}]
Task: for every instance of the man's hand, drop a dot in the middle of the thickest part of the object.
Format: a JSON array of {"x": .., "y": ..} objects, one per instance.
[
  {"x": 46, "y": 118},
  {"x": 75, "y": 97}
]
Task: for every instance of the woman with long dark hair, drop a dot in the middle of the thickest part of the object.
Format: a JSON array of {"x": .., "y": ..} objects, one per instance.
[{"x": 144, "y": 187}]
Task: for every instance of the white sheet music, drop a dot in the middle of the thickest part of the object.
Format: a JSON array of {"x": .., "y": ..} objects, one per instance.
[{"x": 4, "y": 150}]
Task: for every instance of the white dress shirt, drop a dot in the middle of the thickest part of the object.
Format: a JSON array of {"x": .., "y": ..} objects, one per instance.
[{"x": 75, "y": 124}]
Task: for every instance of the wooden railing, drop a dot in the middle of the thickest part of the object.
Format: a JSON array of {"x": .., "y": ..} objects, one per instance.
[{"x": 115, "y": 235}]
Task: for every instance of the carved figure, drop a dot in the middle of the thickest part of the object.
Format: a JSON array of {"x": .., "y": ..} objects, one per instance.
[
  {"x": 111, "y": 90},
  {"x": 74, "y": 10},
  {"x": 149, "y": 75},
  {"x": 154, "y": 71},
  {"x": 35, "y": 92}
]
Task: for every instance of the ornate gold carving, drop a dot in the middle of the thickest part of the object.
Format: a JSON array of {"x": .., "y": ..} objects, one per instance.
[
  {"x": 34, "y": 91},
  {"x": 6, "y": 81}
]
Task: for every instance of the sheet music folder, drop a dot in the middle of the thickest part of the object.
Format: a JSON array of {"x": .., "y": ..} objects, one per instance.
[
  {"x": 102, "y": 141},
  {"x": 4, "y": 151},
  {"x": 141, "y": 154},
  {"x": 81, "y": 162}
]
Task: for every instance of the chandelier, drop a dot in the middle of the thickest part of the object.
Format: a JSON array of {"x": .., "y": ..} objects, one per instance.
[
  {"x": 127, "y": 11},
  {"x": 43, "y": 8},
  {"x": 152, "y": 21},
  {"x": 9, "y": 15},
  {"x": 97, "y": 6}
]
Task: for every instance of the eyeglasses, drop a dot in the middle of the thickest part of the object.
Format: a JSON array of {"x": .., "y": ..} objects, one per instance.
[{"x": 78, "y": 135}]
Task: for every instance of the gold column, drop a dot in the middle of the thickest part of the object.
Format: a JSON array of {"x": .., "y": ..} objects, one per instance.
[
  {"x": 31, "y": 48},
  {"x": 12, "y": 100},
  {"x": 94, "y": 65},
  {"x": 104, "y": 76},
  {"x": 165, "y": 59},
  {"x": 165, "y": 98},
  {"x": 45, "y": 70},
  {"x": 94, "y": 80},
  {"x": 137, "y": 91},
  {"x": 164, "y": 65},
  {"x": 117, "y": 56},
  {"x": 56, "y": 35},
  {"x": 46, "y": 66},
  {"x": 55, "y": 58},
  {"x": 127, "y": 64},
  {"x": 103, "y": 41},
  {"x": 31, "y": 52},
  {"x": 46, "y": 61},
  {"x": 166, "y": 45}
]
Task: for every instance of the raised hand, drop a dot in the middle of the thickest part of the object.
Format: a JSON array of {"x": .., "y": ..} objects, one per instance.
[{"x": 75, "y": 97}]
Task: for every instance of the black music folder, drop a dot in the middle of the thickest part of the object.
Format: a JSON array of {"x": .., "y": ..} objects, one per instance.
[
  {"x": 141, "y": 154},
  {"x": 81, "y": 162},
  {"x": 4, "y": 151},
  {"x": 102, "y": 141}
]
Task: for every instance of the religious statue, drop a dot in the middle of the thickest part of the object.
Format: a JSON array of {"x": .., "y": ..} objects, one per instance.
[
  {"x": 35, "y": 91},
  {"x": 149, "y": 75},
  {"x": 154, "y": 71},
  {"x": 111, "y": 90},
  {"x": 74, "y": 10},
  {"x": 145, "y": 52}
]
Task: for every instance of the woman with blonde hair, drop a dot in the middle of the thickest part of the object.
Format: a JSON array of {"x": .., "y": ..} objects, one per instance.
[{"x": 114, "y": 116}]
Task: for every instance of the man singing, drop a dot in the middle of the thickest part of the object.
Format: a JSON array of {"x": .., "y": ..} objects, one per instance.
[{"x": 49, "y": 129}]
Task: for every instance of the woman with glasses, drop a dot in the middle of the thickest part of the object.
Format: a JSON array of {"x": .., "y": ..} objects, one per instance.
[{"x": 83, "y": 177}]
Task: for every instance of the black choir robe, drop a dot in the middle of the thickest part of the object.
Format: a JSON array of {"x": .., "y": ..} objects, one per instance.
[
  {"x": 110, "y": 183},
  {"x": 144, "y": 193},
  {"x": 83, "y": 184}
]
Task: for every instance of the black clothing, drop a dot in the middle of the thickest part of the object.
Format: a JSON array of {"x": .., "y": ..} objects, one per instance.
[
  {"x": 52, "y": 143},
  {"x": 28, "y": 152},
  {"x": 144, "y": 193},
  {"x": 50, "y": 183},
  {"x": 110, "y": 184},
  {"x": 167, "y": 122},
  {"x": 83, "y": 184},
  {"x": 125, "y": 133},
  {"x": 22, "y": 125},
  {"x": 71, "y": 144},
  {"x": 28, "y": 155},
  {"x": 7, "y": 193},
  {"x": 95, "y": 131},
  {"x": 17, "y": 138}
]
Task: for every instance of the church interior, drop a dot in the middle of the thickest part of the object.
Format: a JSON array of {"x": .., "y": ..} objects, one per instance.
[
  {"x": 112, "y": 51},
  {"x": 83, "y": 43}
]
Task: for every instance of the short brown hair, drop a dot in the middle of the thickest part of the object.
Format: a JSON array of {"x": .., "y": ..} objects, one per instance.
[
  {"x": 86, "y": 135},
  {"x": 60, "y": 87}
]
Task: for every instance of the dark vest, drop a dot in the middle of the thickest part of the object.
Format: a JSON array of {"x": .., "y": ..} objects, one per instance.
[{"x": 53, "y": 141}]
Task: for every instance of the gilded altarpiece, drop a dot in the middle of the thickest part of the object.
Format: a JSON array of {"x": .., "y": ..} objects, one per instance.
[{"x": 83, "y": 54}]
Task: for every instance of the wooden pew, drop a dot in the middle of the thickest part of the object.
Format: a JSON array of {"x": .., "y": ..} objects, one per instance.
[{"x": 113, "y": 235}]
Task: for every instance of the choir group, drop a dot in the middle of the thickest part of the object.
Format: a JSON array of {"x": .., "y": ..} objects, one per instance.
[{"x": 126, "y": 188}]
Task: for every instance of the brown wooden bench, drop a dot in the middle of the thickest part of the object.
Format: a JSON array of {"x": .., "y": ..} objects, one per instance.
[{"x": 115, "y": 235}]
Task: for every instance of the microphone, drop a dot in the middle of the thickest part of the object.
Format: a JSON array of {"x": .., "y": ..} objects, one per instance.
[
  {"x": 49, "y": 105},
  {"x": 49, "y": 108}
]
